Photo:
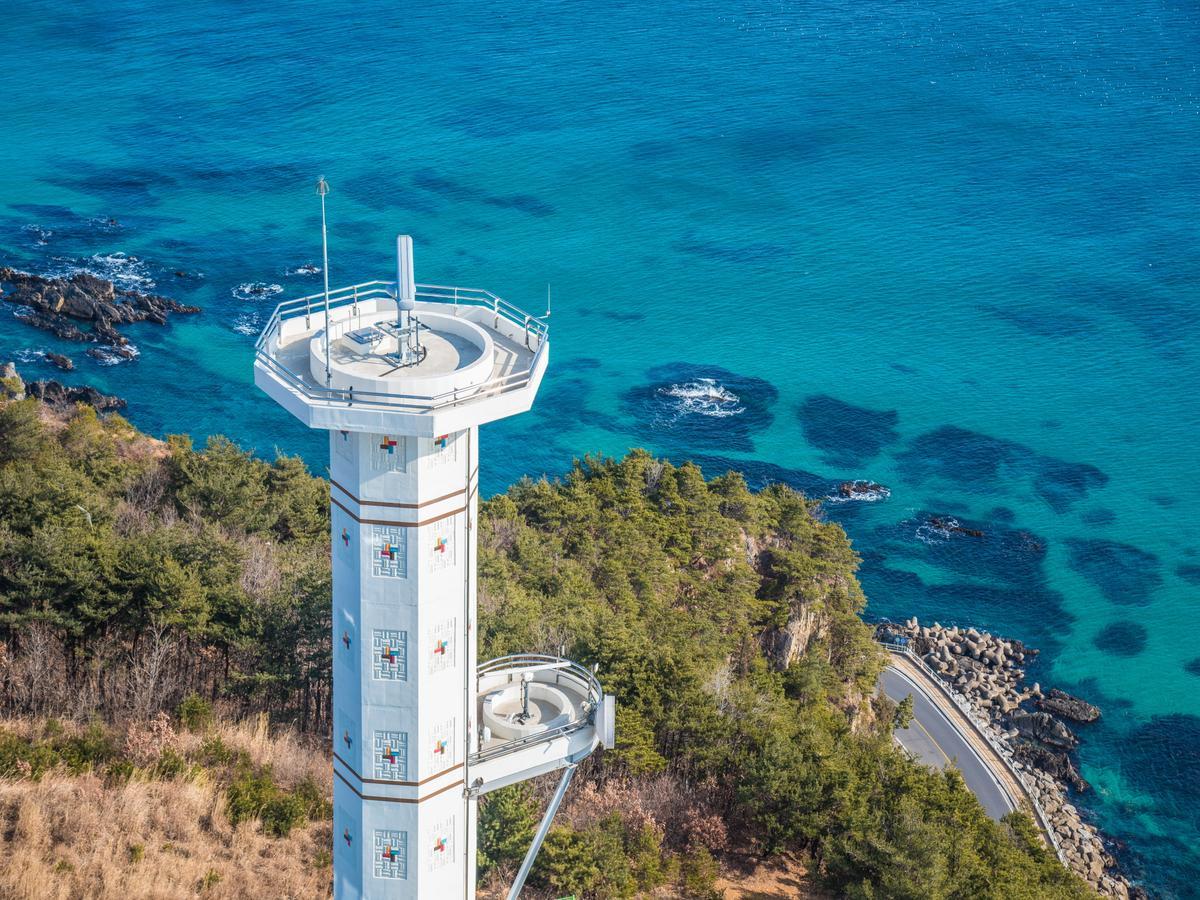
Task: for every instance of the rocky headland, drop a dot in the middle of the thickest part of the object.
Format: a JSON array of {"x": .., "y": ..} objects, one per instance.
[
  {"x": 987, "y": 673},
  {"x": 56, "y": 304}
]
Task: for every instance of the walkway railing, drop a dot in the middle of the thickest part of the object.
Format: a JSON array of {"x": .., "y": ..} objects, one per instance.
[
  {"x": 534, "y": 329},
  {"x": 547, "y": 670},
  {"x": 983, "y": 729}
]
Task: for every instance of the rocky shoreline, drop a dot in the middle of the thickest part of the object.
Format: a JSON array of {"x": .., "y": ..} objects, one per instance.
[
  {"x": 987, "y": 674},
  {"x": 54, "y": 393},
  {"x": 55, "y": 304}
]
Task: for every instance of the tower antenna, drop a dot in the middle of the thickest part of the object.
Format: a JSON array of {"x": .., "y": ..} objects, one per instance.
[{"x": 322, "y": 190}]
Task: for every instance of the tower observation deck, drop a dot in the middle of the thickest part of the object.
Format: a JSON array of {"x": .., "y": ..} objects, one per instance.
[{"x": 402, "y": 375}]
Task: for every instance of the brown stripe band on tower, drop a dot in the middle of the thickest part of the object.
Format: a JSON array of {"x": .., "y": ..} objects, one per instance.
[
  {"x": 350, "y": 769},
  {"x": 362, "y": 796},
  {"x": 393, "y": 505},
  {"x": 428, "y": 521}
]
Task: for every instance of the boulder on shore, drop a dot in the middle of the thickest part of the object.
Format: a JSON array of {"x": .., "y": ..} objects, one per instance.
[
  {"x": 1062, "y": 704},
  {"x": 1055, "y": 763},
  {"x": 1043, "y": 727}
]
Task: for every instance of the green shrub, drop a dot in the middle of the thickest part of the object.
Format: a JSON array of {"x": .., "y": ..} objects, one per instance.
[
  {"x": 282, "y": 813},
  {"x": 170, "y": 765},
  {"x": 215, "y": 752},
  {"x": 508, "y": 819},
  {"x": 118, "y": 771},
  {"x": 137, "y": 852},
  {"x": 20, "y": 759},
  {"x": 249, "y": 793},
  {"x": 92, "y": 749},
  {"x": 195, "y": 713},
  {"x": 211, "y": 879},
  {"x": 698, "y": 875},
  {"x": 316, "y": 805}
]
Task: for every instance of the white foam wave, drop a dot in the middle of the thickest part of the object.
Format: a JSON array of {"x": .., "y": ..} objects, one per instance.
[
  {"x": 108, "y": 356},
  {"x": 704, "y": 397},
  {"x": 930, "y": 532},
  {"x": 105, "y": 223},
  {"x": 29, "y": 354},
  {"x": 864, "y": 496},
  {"x": 40, "y": 235},
  {"x": 124, "y": 271},
  {"x": 256, "y": 290},
  {"x": 247, "y": 324},
  {"x": 306, "y": 269}
]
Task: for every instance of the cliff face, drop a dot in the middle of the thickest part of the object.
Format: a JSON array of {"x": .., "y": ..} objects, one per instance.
[{"x": 807, "y": 622}]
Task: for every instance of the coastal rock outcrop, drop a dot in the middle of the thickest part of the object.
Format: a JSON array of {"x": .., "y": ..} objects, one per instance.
[
  {"x": 1062, "y": 704},
  {"x": 53, "y": 393},
  {"x": 62, "y": 361},
  {"x": 1044, "y": 728},
  {"x": 52, "y": 304}
]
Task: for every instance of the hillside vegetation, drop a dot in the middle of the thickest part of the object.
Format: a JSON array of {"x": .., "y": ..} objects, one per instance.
[{"x": 139, "y": 578}]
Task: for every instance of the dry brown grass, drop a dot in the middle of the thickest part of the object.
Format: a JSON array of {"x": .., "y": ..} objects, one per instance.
[{"x": 68, "y": 837}]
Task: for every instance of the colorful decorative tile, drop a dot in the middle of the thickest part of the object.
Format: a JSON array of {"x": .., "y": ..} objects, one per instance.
[
  {"x": 391, "y": 755},
  {"x": 445, "y": 449},
  {"x": 389, "y": 453},
  {"x": 442, "y": 747},
  {"x": 345, "y": 537},
  {"x": 441, "y": 646},
  {"x": 391, "y": 853},
  {"x": 389, "y": 652},
  {"x": 389, "y": 554},
  {"x": 441, "y": 851},
  {"x": 441, "y": 543}
]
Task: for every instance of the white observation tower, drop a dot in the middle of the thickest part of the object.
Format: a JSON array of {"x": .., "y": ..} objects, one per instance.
[{"x": 402, "y": 375}]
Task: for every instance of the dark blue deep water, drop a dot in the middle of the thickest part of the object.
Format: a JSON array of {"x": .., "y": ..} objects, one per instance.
[{"x": 948, "y": 246}]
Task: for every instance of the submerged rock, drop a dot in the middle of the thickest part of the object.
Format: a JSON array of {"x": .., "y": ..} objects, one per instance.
[
  {"x": 1062, "y": 704},
  {"x": 60, "y": 360},
  {"x": 951, "y": 525}
]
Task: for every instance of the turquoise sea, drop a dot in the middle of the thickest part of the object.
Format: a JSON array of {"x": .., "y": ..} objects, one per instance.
[{"x": 948, "y": 246}]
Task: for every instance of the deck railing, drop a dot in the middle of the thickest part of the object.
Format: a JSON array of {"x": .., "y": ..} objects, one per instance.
[
  {"x": 552, "y": 670},
  {"x": 535, "y": 329}
]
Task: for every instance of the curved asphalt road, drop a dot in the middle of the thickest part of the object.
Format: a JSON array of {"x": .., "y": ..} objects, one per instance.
[{"x": 934, "y": 740}]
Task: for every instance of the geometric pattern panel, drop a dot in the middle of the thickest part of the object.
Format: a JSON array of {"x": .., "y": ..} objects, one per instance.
[
  {"x": 391, "y": 853},
  {"x": 445, "y": 449},
  {"x": 389, "y": 654},
  {"x": 442, "y": 546},
  {"x": 443, "y": 747},
  {"x": 391, "y": 755},
  {"x": 389, "y": 556},
  {"x": 441, "y": 646},
  {"x": 389, "y": 453},
  {"x": 441, "y": 853}
]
